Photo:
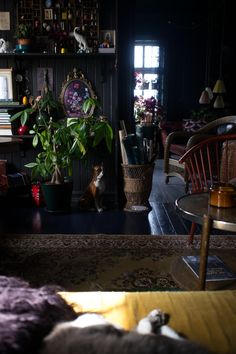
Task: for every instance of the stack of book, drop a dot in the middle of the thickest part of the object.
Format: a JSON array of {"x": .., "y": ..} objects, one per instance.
[{"x": 5, "y": 124}]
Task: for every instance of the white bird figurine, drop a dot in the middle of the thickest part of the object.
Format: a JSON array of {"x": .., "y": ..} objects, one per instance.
[
  {"x": 3, "y": 47},
  {"x": 82, "y": 43}
]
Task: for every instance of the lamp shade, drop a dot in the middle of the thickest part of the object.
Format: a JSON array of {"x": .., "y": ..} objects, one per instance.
[
  {"x": 219, "y": 87},
  {"x": 219, "y": 102},
  {"x": 209, "y": 91},
  {"x": 204, "y": 98}
]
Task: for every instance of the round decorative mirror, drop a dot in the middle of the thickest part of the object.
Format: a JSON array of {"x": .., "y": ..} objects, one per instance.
[{"x": 75, "y": 90}]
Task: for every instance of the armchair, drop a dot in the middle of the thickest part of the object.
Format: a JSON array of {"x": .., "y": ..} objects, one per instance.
[
  {"x": 209, "y": 163},
  {"x": 178, "y": 142}
]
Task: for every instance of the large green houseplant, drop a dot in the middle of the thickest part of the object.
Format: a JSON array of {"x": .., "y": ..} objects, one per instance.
[{"x": 61, "y": 141}]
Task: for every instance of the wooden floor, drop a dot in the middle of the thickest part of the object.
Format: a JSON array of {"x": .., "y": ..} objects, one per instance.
[{"x": 161, "y": 220}]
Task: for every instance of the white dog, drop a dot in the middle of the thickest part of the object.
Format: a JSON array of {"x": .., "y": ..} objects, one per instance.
[{"x": 92, "y": 334}]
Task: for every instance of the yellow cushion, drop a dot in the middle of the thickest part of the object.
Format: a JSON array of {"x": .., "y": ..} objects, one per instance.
[{"x": 206, "y": 317}]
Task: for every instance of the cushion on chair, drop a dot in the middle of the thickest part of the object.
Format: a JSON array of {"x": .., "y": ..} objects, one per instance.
[
  {"x": 228, "y": 172},
  {"x": 177, "y": 149},
  {"x": 169, "y": 127},
  {"x": 225, "y": 129}
]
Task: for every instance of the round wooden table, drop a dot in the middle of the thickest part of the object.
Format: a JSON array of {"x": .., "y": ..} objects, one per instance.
[{"x": 196, "y": 208}]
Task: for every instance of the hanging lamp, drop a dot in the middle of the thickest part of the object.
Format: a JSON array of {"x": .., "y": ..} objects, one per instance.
[
  {"x": 219, "y": 102},
  {"x": 219, "y": 86},
  {"x": 204, "y": 98}
]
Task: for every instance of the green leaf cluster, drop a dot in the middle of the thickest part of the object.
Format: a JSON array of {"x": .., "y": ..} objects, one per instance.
[
  {"x": 62, "y": 141},
  {"x": 24, "y": 30}
]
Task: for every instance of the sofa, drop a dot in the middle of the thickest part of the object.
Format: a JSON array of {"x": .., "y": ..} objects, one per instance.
[
  {"x": 28, "y": 314},
  {"x": 206, "y": 317}
]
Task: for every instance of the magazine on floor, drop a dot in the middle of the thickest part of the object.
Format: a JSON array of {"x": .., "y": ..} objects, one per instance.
[{"x": 216, "y": 268}]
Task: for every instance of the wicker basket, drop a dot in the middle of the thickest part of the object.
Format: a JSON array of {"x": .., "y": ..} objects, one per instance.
[{"x": 137, "y": 186}]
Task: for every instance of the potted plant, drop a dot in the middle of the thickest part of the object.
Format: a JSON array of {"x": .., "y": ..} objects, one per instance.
[
  {"x": 23, "y": 34},
  {"x": 61, "y": 141}
]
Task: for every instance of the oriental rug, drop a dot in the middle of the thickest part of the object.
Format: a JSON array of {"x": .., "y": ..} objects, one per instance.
[{"x": 102, "y": 262}]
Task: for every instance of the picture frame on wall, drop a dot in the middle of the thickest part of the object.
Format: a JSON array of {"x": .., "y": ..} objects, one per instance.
[
  {"x": 6, "y": 85},
  {"x": 48, "y": 14},
  {"x": 75, "y": 90},
  {"x": 107, "y": 41},
  {"x": 41, "y": 78}
]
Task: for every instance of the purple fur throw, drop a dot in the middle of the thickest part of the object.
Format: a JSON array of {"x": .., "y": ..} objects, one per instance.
[{"x": 27, "y": 315}]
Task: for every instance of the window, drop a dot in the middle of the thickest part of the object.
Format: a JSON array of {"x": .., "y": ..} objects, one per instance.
[{"x": 148, "y": 70}]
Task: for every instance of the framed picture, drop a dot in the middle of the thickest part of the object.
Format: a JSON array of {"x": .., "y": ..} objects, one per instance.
[
  {"x": 41, "y": 77},
  {"x": 6, "y": 86},
  {"x": 4, "y": 21},
  {"x": 75, "y": 90},
  {"x": 48, "y": 14},
  {"x": 107, "y": 38}
]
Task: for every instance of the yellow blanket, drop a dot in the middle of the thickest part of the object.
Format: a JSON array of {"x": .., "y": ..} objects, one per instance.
[{"x": 206, "y": 317}]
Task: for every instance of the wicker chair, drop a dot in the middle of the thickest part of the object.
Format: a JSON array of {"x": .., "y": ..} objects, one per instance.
[
  {"x": 210, "y": 162},
  {"x": 178, "y": 142}
]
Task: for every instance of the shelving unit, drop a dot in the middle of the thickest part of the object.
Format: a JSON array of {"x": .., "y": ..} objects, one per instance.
[
  {"x": 56, "y": 20},
  {"x": 56, "y": 55}
]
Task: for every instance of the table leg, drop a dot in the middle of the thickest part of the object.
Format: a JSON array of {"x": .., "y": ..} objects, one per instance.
[{"x": 206, "y": 227}]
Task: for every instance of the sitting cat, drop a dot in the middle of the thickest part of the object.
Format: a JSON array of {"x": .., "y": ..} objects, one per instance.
[
  {"x": 92, "y": 196},
  {"x": 91, "y": 333}
]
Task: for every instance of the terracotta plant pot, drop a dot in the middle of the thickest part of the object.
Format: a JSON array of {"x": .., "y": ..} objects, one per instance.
[{"x": 23, "y": 45}]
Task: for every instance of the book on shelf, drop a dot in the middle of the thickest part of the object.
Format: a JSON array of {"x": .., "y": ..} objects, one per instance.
[
  {"x": 216, "y": 268},
  {"x": 5, "y": 118},
  {"x": 5, "y": 132},
  {"x": 5, "y": 121},
  {"x": 5, "y": 125},
  {"x": 8, "y": 103}
]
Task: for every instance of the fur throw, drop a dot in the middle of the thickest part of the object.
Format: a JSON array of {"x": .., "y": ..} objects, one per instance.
[{"x": 27, "y": 315}]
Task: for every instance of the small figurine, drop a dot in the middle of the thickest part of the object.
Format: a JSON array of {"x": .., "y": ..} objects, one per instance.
[
  {"x": 82, "y": 43},
  {"x": 3, "y": 47}
]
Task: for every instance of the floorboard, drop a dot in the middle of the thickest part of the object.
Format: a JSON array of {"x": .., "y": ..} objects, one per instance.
[{"x": 162, "y": 219}]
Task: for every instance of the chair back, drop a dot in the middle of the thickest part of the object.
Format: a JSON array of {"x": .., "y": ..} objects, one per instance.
[{"x": 211, "y": 161}]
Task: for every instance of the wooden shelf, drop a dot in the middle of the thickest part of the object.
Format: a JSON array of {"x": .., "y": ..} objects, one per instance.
[
  {"x": 28, "y": 136},
  {"x": 10, "y": 107},
  {"x": 55, "y": 55}
]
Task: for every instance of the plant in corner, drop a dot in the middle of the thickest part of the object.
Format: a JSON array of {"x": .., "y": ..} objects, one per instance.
[{"x": 61, "y": 141}]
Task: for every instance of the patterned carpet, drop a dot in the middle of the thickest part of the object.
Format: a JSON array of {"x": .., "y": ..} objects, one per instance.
[{"x": 101, "y": 262}]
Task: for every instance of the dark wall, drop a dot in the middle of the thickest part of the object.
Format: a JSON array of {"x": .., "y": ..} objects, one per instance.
[
  {"x": 186, "y": 29},
  {"x": 183, "y": 28}
]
